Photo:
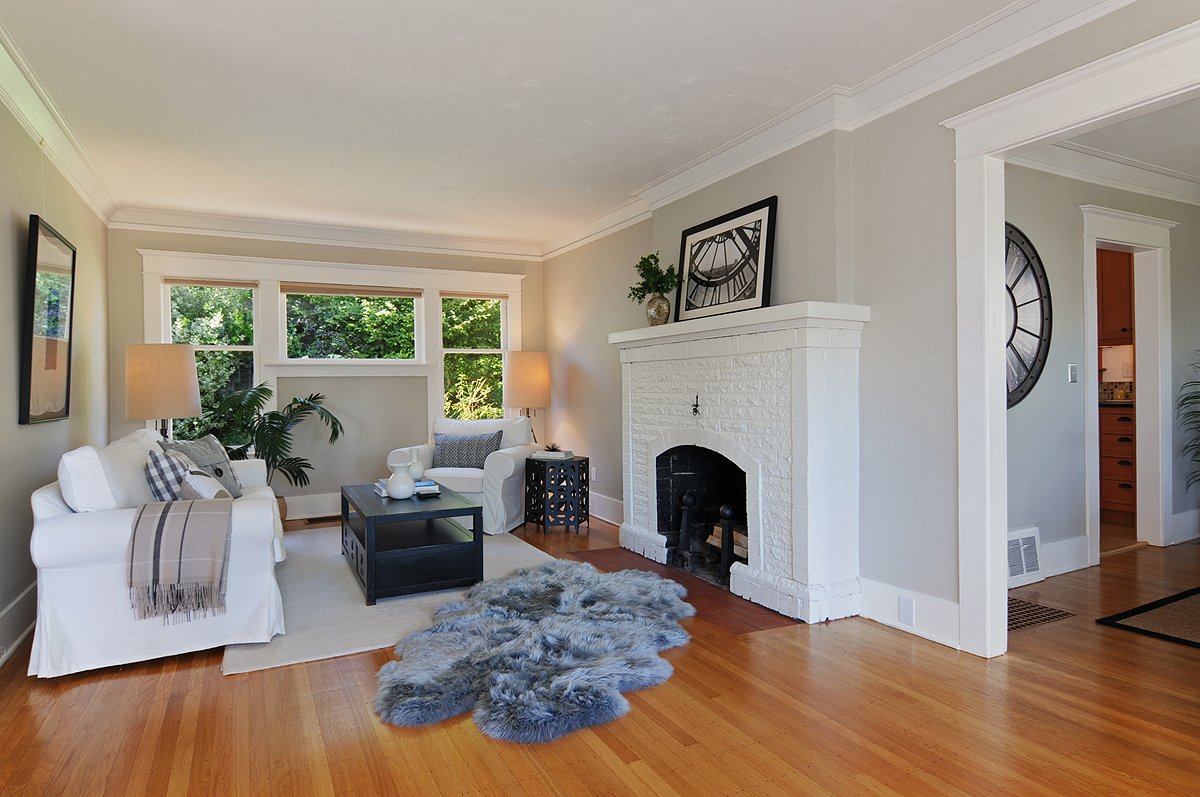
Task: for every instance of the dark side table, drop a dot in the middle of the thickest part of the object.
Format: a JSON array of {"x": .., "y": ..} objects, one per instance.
[{"x": 556, "y": 492}]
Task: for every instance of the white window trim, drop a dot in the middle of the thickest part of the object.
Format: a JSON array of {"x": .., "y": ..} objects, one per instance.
[{"x": 270, "y": 356}]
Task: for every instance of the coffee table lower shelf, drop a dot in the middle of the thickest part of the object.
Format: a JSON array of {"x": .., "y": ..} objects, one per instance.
[{"x": 410, "y": 556}]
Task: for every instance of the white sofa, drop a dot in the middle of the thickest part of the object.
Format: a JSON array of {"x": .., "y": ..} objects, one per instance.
[
  {"x": 499, "y": 486},
  {"x": 84, "y": 617}
]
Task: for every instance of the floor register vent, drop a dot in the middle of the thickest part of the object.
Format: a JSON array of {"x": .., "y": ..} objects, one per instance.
[{"x": 1024, "y": 566}]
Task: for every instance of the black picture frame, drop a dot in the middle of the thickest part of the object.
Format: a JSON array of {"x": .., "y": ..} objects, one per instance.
[
  {"x": 726, "y": 262},
  {"x": 48, "y": 306}
]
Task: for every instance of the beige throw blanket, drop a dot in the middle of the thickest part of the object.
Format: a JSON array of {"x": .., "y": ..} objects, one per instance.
[{"x": 179, "y": 559}]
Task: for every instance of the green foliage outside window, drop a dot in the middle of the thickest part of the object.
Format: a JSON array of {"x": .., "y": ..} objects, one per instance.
[
  {"x": 204, "y": 315},
  {"x": 474, "y": 383},
  {"x": 350, "y": 327}
]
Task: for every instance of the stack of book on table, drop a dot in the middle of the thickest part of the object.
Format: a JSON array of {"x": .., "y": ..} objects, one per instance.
[
  {"x": 427, "y": 487},
  {"x": 553, "y": 455}
]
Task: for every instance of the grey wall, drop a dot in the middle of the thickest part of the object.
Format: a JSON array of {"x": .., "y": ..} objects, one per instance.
[
  {"x": 30, "y": 183},
  {"x": 1045, "y": 431},
  {"x": 586, "y": 299},
  {"x": 378, "y": 414}
]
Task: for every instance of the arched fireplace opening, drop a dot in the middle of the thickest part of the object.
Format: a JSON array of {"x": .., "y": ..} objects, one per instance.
[{"x": 708, "y": 491}]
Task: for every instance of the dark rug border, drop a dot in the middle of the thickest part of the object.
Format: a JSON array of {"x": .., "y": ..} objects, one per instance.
[{"x": 1114, "y": 620}]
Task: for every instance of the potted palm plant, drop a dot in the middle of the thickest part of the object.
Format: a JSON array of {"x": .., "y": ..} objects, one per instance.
[
  {"x": 655, "y": 282},
  {"x": 269, "y": 433}
]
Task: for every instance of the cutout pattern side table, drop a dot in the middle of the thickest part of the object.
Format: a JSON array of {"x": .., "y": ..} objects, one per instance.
[{"x": 556, "y": 492}]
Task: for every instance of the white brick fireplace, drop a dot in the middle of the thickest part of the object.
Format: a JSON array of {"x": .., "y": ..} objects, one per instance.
[{"x": 774, "y": 390}]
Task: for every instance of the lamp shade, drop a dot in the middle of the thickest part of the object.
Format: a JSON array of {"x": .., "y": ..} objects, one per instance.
[
  {"x": 526, "y": 379},
  {"x": 160, "y": 381}
]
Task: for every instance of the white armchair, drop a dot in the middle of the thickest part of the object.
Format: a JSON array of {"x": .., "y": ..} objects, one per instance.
[{"x": 499, "y": 486}]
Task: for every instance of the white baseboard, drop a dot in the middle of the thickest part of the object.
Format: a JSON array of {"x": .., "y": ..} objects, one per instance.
[
  {"x": 610, "y": 510},
  {"x": 1183, "y": 527},
  {"x": 318, "y": 505},
  {"x": 17, "y": 620},
  {"x": 1063, "y": 556},
  {"x": 934, "y": 619}
]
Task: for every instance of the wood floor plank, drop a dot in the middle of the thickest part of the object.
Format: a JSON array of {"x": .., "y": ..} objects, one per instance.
[{"x": 849, "y": 707}]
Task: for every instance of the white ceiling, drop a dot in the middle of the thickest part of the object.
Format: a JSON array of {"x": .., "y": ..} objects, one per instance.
[{"x": 515, "y": 121}]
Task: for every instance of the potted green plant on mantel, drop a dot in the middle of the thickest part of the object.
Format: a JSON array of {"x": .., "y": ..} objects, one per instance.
[
  {"x": 270, "y": 433},
  {"x": 655, "y": 282}
]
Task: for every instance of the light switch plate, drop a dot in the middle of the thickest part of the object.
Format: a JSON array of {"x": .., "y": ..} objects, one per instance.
[{"x": 1072, "y": 372}]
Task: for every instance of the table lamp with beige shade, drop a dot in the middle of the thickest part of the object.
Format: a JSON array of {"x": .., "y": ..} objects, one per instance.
[
  {"x": 161, "y": 383},
  {"x": 527, "y": 381}
]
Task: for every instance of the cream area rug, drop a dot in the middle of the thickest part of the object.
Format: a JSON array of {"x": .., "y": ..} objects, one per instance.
[{"x": 326, "y": 614}]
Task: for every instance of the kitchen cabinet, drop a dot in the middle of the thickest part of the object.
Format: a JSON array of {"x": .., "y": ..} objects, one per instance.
[
  {"x": 1118, "y": 458},
  {"x": 1114, "y": 297}
]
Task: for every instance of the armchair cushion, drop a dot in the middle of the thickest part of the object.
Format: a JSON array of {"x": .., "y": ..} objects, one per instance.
[
  {"x": 99, "y": 478},
  {"x": 465, "y": 450}
]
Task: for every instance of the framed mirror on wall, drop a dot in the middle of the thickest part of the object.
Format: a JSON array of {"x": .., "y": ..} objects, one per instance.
[{"x": 46, "y": 328}]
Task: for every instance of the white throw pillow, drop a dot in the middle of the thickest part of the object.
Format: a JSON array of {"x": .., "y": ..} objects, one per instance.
[
  {"x": 198, "y": 485},
  {"x": 94, "y": 479}
]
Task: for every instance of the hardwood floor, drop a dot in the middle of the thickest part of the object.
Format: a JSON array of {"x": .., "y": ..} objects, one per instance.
[{"x": 849, "y": 707}]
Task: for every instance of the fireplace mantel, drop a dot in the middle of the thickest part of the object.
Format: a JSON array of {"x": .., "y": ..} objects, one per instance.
[
  {"x": 775, "y": 391},
  {"x": 764, "y": 319}
]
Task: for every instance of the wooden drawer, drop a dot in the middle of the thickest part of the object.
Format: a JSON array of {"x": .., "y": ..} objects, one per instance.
[
  {"x": 1117, "y": 420},
  {"x": 1118, "y": 468},
  {"x": 1113, "y": 491},
  {"x": 1117, "y": 445}
]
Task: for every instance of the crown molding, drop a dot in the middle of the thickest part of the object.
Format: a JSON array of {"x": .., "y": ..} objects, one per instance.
[
  {"x": 24, "y": 96},
  {"x": 326, "y": 235},
  {"x": 634, "y": 211},
  {"x": 1094, "y": 166}
]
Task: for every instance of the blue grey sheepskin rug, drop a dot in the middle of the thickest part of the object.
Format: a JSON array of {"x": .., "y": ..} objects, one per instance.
[{"x": 539, "y": 654}]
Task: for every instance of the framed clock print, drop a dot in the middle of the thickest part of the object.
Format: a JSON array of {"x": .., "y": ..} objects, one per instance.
[
  {"x": 1027, "y": 314},
  {"x": 726, "y": 262}
]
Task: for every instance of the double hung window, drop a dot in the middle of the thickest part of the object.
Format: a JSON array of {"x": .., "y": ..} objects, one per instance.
[{"x": 473, "y": 338}]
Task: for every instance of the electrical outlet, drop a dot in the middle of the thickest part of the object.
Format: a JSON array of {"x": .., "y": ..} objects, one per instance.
[
  {"x": 906, "y": 610},
  {"x": 1072, "y": 372},
  {"x": 594, "y": 476},
  {"x": 1127, "y": 370}
]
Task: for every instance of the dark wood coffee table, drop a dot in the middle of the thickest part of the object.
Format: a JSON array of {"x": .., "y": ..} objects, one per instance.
[{"x": 402, "y": 546}]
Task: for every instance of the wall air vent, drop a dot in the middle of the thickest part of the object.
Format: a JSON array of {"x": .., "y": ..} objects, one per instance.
[{"x": 1024, "y": 566}]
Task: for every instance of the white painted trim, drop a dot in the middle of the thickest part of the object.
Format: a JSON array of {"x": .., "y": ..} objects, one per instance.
[
  {"x": 1151, "y": 75},
  {"x": 1151, "y": 240},
  {"x": 1064, "y": 556},
  {"x": 322, "y": 234},
  {"x": 1101, "y": 168},
  {"x": 1184, "y": 527},
  {"x": 603, "y": 507},
  {"x": 17, "y": 621},
  {"x": 982, "y": 404},
  {"x": 935, "y": 619}
]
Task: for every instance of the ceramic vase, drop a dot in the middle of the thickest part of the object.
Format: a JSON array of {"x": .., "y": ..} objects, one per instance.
[
  {"x": 415, "y": 468},
  {"x": 400, "y": 484},
  {"x": 658, "y": 309}
]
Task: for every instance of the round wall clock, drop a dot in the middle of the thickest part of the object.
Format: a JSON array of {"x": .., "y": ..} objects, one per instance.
[{"x": 1027, "y": 314}]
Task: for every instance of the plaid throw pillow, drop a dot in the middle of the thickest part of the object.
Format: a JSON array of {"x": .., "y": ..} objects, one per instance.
[
  {"x": 210, "y": 457},
  {"x": 464, "y": 450},
  {"x": 165, "y": 472}
]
